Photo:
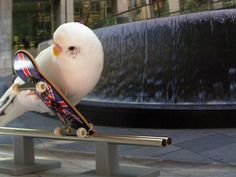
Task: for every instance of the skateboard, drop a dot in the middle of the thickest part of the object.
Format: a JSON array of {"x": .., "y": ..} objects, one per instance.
[{"x": 35, "y": 80}]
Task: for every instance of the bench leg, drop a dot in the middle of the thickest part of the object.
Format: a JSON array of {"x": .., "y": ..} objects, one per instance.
[
  {"x": 24, "y": 159},
  {"x": 23, "y": 150},
  {"x": 107, "y": 164}
]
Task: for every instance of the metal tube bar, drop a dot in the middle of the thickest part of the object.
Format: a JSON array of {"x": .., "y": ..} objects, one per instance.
[
  {"x": 118, "y": 139},
  {"x": 131, "y": 139}
]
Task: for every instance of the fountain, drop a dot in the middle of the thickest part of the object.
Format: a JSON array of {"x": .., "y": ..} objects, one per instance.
[{"x": 180, "y": 68}]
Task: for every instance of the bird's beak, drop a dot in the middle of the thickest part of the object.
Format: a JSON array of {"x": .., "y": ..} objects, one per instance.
[{"x": 57, "y": 49}]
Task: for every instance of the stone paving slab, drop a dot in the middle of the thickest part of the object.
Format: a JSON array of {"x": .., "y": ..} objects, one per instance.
[
  {"x": 207, "y": 143},
  {"x": 186, "y": 156},
  {"x": 225, "y": 154}
]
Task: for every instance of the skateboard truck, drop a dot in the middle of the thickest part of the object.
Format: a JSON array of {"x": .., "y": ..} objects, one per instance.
[
  {"x": 40, "y": 87},
  {"x": 67, "y": 130}
]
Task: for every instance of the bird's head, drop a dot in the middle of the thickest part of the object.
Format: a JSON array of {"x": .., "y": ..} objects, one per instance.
[
  {"x": 67, "y": 40},
  {"x": 71, "y": 40}
]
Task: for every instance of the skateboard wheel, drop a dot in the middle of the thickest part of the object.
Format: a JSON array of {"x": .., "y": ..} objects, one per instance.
[
  {"x": 15, "y": 88},
  {"x": 58, "y": 131},
  {"x": 41, "y": 87},
  {"x": 81, "y": 132}
]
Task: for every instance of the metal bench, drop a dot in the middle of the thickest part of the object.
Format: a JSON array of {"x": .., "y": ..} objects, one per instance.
[{"x": 106, "y": 157}]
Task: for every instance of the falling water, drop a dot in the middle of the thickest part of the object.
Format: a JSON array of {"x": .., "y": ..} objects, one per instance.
[{"x": 182, "y": 59}]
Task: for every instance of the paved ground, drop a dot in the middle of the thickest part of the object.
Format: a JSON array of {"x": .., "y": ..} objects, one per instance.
[{"x": 195, "y": 153}]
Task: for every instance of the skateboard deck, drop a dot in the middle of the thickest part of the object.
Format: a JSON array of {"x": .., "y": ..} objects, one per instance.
[{"x": 27, "y": 69}]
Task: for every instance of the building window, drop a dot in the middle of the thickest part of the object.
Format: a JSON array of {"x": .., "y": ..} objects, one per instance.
[
  {"x": 34, "y": 21},
  {"x": 91, "y": 11}
]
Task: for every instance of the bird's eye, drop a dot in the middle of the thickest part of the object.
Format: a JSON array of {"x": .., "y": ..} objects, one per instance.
[{"x": 71, "y": 48}]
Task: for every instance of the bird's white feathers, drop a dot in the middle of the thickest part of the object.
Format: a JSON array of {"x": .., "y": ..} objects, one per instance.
[{"x": 75, "y": 70}]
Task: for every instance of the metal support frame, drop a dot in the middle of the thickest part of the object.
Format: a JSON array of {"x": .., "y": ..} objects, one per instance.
[
  {"x": 23, "y": 150},
  {"x": 24, "y": 161},
  {"x": 107, "y": 164},
  {"x": 107, "y": 159}
]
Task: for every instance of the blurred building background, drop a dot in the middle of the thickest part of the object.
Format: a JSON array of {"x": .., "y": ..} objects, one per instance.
[{"x": 26, "y": 23}]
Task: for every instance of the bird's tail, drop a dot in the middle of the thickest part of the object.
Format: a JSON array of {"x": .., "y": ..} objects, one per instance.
[
  {"x": 5, "y": 102},
  {"x": 6, "y": 99},
  {"x": 13, "y": 105},
  {"x": 10, "y": 105}
]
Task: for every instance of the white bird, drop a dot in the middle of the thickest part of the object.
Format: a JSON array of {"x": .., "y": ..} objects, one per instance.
[{"x": 74, "y": 63}]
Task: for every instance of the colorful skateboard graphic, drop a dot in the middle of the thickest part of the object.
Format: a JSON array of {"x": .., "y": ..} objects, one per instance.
[{"x": 28, "y": 70}]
